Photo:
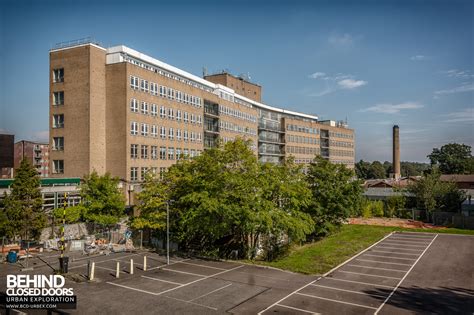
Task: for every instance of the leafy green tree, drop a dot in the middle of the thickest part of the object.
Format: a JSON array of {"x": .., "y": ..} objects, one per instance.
[
  {"x": 151, "y": 205},
  {"x": 432, "y": 194},
  {"x": 362, "y": 169},
  {"x": 22, "y": 214},
  {"x": 388, "y": 168},
  {"x": 453, "y": 158},
  {"x": 225, "y": 200},
  {"x": 73, "y": 214},
  {"x": 376, "y": 170},
  {"x": 103, "y": 201},
  {"x": 394, "y": 205},
  {"x": 335, "y": 194}
]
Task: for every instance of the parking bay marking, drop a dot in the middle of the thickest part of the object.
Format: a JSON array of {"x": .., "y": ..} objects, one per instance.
[
  {"x": 389, "y": 257},
  {"x": 350, "y": 291},
  {"x": 360, "y": 282},
  {"x": 390, "y": 247},
  {"x": 337, "y": 301},
  {"x": 396, "y": 253},
  {"x": 365, "y": 274},
  {"x": 361, "y": 266},
  {"x": 297, "y": 309}
]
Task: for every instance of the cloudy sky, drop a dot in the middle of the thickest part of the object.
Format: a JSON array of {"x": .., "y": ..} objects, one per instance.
[{"x": 376, "y": 64}]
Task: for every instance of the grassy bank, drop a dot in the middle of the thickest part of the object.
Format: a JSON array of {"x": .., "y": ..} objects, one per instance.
[{"x": 319, "y": 257}]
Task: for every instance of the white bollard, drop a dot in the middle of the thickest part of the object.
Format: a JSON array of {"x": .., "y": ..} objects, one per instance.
[
  {"x": 117, "y": 270},
  {"x": 144, "y": 263},
  {"x": 131, "y": 266},
  {"x": 91, "y": 276}
]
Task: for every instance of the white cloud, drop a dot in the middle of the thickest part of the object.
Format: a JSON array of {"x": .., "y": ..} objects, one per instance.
[
  {"x": 465, "y": 115},
  {"x": 351, "y": 83},
  {"x": 459, "y": 74},
  {"x": 466, "y": 87},
  {"x": 392, "y": 108},
  {"x": 317, "y": 75},
  {"x": 339, "y": 81},
  {"x": 341, "y": 40},
  {"x": 418, "y": 58}
]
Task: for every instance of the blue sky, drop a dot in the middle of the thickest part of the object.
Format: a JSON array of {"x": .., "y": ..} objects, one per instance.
[{"x": 376, "y": 63}]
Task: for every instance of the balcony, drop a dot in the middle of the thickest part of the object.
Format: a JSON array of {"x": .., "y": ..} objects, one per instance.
[{"x": 270, "y": 125}]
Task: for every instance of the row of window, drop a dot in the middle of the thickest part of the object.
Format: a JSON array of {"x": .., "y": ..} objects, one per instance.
[
  {"x": 302, "y": 150},
  {"x": 164, "y": 91},
  {"x": 345, "y": 162},
  {"x": 169, "y": 113},
  {"x": 144, "y": 171},
  {"x": 304, "y": 129},
  {"x": 165, "y": 73},
  {"x": 341, "y": 135},
  {"x": 301, "y": 139},
  {"x": 341, "y": 152},
  {"x": 172, "y": 134},
  {"x": 343, "y": 144},
  {"x": 229, "y": 126},
  {"x": 162, "y": 153},
  {"x": 237, "y": 114}
]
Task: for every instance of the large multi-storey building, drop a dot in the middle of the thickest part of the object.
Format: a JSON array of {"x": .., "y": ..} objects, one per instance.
[
  {"x": 124, "y": 112},
  {"x": 37, "y": 153}
]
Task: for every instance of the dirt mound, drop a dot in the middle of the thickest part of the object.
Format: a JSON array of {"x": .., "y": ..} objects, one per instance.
[{"x": 405, "y": 223}]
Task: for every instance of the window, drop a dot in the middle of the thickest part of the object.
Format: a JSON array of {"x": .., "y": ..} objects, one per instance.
[
  {"x": 144, "y": 86},
  {"x": 58, "y": 166},
  {"x": 154, "y": 152},
  {"x": 58, "y": 143},
  {"x": 178, "y": 115},
  {"x": 153, "y": 88},
  {"x": 144, "y": 152},
  {"x": 185, "y": 136},
  {"x": 193, "y": 153},
  {"x": 154, "y": 131},
  {"x": 134, "y": 82},
  {"x": 170, "y": 113},
  {"x": 170, "y": 153},
  {"x": 154, "y": 110},
  {"x": 134, "y": 128},
  {"x": 58, "y": 98},
  {"x": 143, "y": 173},
  {"x": 134, "y": 105},
  {"x": 162, "y": 172},
  {"x": 162, "y": 91},
  {"x": 178, "y": 134},
  {"x": 162, "y": 112},
  {"x": 154, "y": 171},
  {"x": 134, "y": 151},
  {"x": 193, "y": 136},
  {"x": 199, "y": 119},
  {"x": 162, "y": 153},
  {"x": 186, "y": 117},
  {"x": 178, "y": 154},
  {"x": 171, "y": 133},
  {"x": 133, "y": 174},
  {"x": 193, "y": 118},
  {"x": 58, "y": 121},
  {"x": 186, "y": 153},
  {"x": 145, "y": 130},
  {"x": 58, "y": 75},
  {"x": 145, "y": 108},
  {"x": 199, "y": 137}
]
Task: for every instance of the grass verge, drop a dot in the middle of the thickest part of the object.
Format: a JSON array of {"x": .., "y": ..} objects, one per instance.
[{"x": 321, "y": 256}]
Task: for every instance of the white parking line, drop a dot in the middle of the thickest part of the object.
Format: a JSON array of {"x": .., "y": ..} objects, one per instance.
[
  {"x": 401, "y": 280},
  {"x": 102, "y": 261},
  {"x": 295, "y": 308},
  {"x": 188, "y": 263},
  {"x": 156, "y": 279},
  {"x": 337, "y": 301},
  {"x": 344, "y": 290},
  {"x": 164, "y": 264},
  {"x": 181, "y": 300},
  {"x": 365, "y": 274},
  {"x": 409, "y": 240},
  {"x": 360, "y": 282},
  {"x": 387, "y": 269},
  {"x": 105, "y": 268},
  {"x": 413, "y": 250},
  {"x": 389, "y": 257},
  {"x": 213, "y": 291},
  {"x": 396, "y": 253},
  {"x": 184, "y": 272},
  {"x": 398, "y": 243},
  {"x": 384, "y": 262}
]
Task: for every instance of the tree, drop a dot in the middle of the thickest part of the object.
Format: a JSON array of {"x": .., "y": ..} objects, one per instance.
[
  {"x": 23, "y": 207},
  {"x": 151, "y": 205},
  {"x": 226, "y": 200},
  {"x": 376, "y": 170},
  {"x": 335, "y": 195},
  {"x": 432, "y": 194},
  {"x": 103, "y": 201},
  {"x": 394, "y": 204},
  {"x": 73, "y": 214},
  {"x": 362, "y": 169},
  {"x": 453, "y": 158}
]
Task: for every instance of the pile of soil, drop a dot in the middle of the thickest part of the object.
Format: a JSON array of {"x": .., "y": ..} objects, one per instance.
[{"x": 404, "y": 223}]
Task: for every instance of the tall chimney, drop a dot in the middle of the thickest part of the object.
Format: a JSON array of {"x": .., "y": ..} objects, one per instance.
[{"x": 396, "y": 152}]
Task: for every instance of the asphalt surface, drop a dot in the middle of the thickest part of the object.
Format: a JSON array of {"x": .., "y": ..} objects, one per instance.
[{"x": 405, "y": 273}]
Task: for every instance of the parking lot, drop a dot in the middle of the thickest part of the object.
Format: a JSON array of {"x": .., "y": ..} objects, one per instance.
[{"x": 403, "y": 273}]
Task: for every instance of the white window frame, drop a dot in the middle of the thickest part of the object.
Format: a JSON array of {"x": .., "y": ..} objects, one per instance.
[{"x": 134, "y": 128}]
